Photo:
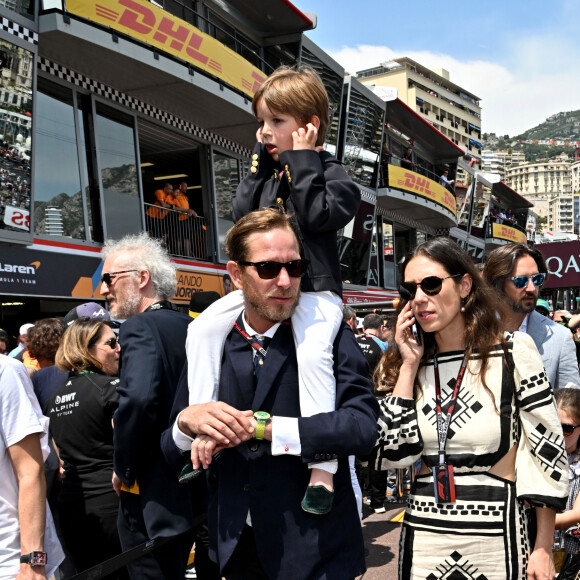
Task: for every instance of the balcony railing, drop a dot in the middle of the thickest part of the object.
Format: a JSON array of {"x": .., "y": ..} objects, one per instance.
[
  {"x": 186, "y": 237},
  {"x": 234, "y": 41}
]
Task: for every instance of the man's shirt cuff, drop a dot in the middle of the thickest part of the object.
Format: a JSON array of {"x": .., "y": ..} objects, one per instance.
[
  {"x": 285, "y": 436},
  {"x": 181, "y": 440}
]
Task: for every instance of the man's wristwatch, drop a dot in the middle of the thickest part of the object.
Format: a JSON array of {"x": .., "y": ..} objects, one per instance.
[
  {"x": 262, "y": 419},
  {"x": 35, "y": 558}
]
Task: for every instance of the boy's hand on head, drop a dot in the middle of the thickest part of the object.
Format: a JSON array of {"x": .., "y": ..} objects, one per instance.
[{"x": 305, "y": 138}]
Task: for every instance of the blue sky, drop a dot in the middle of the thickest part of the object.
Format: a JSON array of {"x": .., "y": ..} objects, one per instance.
[{"x": 521, "y": 58}]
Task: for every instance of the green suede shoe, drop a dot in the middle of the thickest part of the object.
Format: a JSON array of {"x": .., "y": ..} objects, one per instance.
[
  {"x": 188, "y": 473},
  {"x": 317, "y": 500}
]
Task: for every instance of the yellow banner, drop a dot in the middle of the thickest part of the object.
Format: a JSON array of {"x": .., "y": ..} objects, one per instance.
[
  {"x": 148, "y": 23},
  {"x": 507, "y": 233},
  {"x": 422, "y": 186},
  {"x": 190, "y": 281}
]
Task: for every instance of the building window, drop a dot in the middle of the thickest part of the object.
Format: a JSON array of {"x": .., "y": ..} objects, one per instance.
[
  {"x": 228, "y": 172},
  {"x": 58, "y": 199},
  {"x": 117, "y": 160}
]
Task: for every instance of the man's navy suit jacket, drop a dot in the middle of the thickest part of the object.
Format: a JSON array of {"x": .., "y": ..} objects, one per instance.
[
  {"x": 152, "y": 357},
  {"x": 247, "y": 479}
]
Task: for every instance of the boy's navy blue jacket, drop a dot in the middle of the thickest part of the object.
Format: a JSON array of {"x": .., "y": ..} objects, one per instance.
[{"x": 317, "y": 190}]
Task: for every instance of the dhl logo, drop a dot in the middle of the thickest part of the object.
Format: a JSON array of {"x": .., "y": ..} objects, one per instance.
[
  {"x": 159, "y": 28},
  {"x": 509, "y": 234},
  {"x": 422, "y": 186}
]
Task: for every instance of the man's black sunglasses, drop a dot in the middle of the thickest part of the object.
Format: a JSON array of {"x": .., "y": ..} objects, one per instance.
[
  {"x": 431, "y": 285},
  {"x": 269, "y": 270},
  {"x": 106, "y": 278},
  {"x": 569, "y": 429},
  {"x": 522, "y": 281}
]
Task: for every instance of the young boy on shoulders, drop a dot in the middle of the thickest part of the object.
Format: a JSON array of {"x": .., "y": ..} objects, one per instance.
[{"x": 291, "y": 171}]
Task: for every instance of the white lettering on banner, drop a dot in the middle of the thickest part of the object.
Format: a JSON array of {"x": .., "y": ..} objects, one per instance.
[
  {"x": 558, "y": 270},
  {"x": 16, "y": 268},
  {"x": 572, "y": 264}
]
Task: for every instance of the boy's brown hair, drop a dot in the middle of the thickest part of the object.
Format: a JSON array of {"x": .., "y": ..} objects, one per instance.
[{"x": 298, "y": 92}]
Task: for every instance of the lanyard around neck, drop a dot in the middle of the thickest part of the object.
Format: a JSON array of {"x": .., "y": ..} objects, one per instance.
[
  {"x": 254, "y": 344},
  {"x": 443, "y": 425}
]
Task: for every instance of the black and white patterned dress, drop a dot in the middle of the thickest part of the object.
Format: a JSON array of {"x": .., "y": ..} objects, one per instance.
[{"x": 483, "y": 536}]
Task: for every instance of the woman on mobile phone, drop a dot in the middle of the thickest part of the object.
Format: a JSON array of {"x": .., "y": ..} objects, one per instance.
[{"x": 475, "y": 405}]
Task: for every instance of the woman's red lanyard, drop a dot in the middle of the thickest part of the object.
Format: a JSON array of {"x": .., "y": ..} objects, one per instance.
[{"x": 443, "y": 480}]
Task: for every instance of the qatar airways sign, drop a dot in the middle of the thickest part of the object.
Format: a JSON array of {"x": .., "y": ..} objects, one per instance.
[{"x": 563, "y": 261}]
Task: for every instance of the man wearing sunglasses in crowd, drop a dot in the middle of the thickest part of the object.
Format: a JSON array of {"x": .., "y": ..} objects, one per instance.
[
  {"x": 137, "y": 281},
  {"x": 257, "y": 527},
  {"x": 518, "y": 272}
]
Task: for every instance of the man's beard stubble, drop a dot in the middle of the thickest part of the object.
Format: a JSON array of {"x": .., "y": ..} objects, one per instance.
[
  {"x": 519, "y": 308},
  {"x": 271, "y": 313},
  {"x": 127, "y": 306}
]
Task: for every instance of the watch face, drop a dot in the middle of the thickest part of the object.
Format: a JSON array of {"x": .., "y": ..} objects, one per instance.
[{"x": 261, "y": 416}]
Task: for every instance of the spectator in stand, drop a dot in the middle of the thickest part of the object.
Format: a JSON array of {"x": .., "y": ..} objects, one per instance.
[
  {"x": 156, "y": 218},
  {"x": 384, "y": 166},
  {"x": 184, "y": 225},
  {"x": 407, "y": 159},
  {"x": 81, "y": 421},
  {"x": 445, "y": 181},
  {"x": 494, "y": 215}
]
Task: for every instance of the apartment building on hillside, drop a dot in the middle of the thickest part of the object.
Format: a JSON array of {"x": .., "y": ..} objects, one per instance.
[
  {"x": 451, "y": 109},
  {"x": 498, "y": 161},
  {"x": 561, "y": 214},
  {"x": 540, "y": 182}
]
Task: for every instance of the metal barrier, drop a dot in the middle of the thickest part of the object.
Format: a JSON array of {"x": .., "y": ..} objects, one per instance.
[{"x": 182, "y": 237}]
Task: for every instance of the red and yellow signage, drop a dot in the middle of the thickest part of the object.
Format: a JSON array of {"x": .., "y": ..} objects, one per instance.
[
  {"x": 508, "y": 233},
  {"x": 400, "y": 178},
  {"x": 154, "y": 26}
]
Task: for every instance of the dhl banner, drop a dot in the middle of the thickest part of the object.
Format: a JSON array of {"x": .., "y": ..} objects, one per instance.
[
  {"x": 507, "y": 233},
  {"x": 400, "y": 178},
  {"x": 154, "y": 26}
]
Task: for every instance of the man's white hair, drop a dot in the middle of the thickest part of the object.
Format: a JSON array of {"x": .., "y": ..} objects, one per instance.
[{"x": 141, "y": 252}]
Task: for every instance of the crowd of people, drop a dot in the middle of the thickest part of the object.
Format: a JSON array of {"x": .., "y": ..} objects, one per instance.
[
  {"x": 236, "y": 429},
  {"x": 14, "y": 180}
]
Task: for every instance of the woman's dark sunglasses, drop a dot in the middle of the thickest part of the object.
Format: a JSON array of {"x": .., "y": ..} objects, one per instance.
[
  {"x": 522, "y": 281},
  {"x": 569, "y": 429},
  {"x": 269, "y": 270},
  {"x": 112, "y": 342},
  {"x": 431, "y": 285}
]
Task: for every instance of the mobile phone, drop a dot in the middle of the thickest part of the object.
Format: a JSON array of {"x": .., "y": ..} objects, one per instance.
[{"x": 416, "y": 332}]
